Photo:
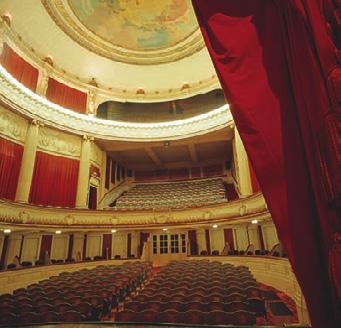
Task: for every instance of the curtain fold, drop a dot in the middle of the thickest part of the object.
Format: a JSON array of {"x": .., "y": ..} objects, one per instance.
[
  {"x": 20, "y": 69},
  {"x": 272, "y": 58},
  {"x": 10, "y": 161},
  {"x": 54, "y": 180},
  {"x": 66, "y": 96},
  {"x": 193, "y": 243}
]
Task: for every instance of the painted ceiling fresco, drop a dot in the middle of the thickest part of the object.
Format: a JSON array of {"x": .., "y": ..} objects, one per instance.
[{"x": 137, "y": 24}]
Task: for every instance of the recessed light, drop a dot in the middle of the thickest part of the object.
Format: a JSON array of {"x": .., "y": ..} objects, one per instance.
[
  {"x": 254, "y": 221},
  {"x": 215, "y": 226},
  {"x": 113, "y": 230},
  {"x": 58, "y": 232},
  {"x": 7, "y": 231}
]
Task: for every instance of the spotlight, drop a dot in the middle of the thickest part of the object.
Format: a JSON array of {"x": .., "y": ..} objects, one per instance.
[
  {"x": 254, "y": 221},
  {"x": 58, "y": 232},
  {"x": 7, "y": 231}
]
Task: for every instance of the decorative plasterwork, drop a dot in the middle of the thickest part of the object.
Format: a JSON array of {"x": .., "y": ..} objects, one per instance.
[
  {"x": 58, "y": 142},
  {"x": 96, "y": 154},
  {"x": 29, "y": 215},
  {"x": 114, "y": 90},
  {"x": 63, "y": 15},
  {"x": 12, "y": 126},
  {"x": 26, "y": 102}
]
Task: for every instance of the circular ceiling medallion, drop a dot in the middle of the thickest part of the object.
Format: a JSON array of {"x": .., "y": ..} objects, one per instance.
[{"x": 141, "y": 32}]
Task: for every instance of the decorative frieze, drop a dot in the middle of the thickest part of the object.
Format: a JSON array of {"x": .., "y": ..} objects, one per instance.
[
  {"x": 16, "y": 213},
  {"x": 58, "y": 142},
  {"x": 12, "y": 126}
]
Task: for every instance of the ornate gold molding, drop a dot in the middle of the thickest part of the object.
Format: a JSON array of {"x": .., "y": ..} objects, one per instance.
[
  {"x": 25, "y": 216},
  {"x": 17, "y": 97},
  {"x": 58, "y": 142},
  {"x": 12, "y": 126}
]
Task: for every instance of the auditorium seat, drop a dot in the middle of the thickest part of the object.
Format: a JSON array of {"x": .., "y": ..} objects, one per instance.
[
  {"x": 180, "y": 194},
  {"x": 198, "y": 292},
  {"x": 87, "y": 294}
]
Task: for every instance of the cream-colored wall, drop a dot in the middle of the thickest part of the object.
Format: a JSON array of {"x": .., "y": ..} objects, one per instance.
[
  {"x": 119, "y": 244},
  {"x": 78, "y": 242},
  {"x": 241, "y": 240},
  {"x": 94, "y": 245},
  {"x": 269, "y": 235},
  {"x": 217, "y": 239},
  {"x": 59, "y": 247},
  {"x": 13, "y": 248},
  {"x": 31, "y": 248},
  {"x": 201, "y": 240},
  {"x": 254, "y": 236}
]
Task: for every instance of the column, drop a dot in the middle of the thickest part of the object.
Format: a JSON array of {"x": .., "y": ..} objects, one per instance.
[
  {"x": 242, "y": 166},
  {"x": 83, "y": 174},
  {"x": 43, "y": 80},
  {"x": 28, "y": 162}
]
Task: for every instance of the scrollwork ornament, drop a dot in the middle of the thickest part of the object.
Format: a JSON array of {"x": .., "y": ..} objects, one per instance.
[
  {"x": 242, "y": 210},
  {"x": 24, "y": 217}
]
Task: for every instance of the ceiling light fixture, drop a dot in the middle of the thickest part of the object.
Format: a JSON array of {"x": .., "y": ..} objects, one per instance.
[
  {"x": 58, "y": 232},
  {"x": 215, "y": 226},
  {"x": 7, "y": 231},
  {"x": 164, "y": 229},
  {"x": 254, "y": 221},
  {"x": 113, "y": 230}
]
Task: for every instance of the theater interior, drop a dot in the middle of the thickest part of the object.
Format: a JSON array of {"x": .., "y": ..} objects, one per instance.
[{"x": 130, "y": 189}]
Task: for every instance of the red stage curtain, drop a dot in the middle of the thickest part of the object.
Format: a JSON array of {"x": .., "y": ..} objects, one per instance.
[
  {"x": 106, "y": 246},
  {"x": 228, "y": 237},
  {"x": 19, "y": 68},
  {"x": 231, "y": 192},
  {"x": 193, "y": 244},
  {"x": 45, "y": 246},
  {"x": 66, "y": 96},
  {"x": 270, "y": 57},
  {"x": 92, "y": 198},
  {"x": 54, "y": 180},
  {"x": 10, "y": 160}
]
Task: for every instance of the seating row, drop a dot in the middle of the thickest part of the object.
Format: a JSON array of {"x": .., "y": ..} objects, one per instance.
[{"x": 87, "y": 294}]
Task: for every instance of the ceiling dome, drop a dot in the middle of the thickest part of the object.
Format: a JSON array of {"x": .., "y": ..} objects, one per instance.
[
  {"x": 131, "y": 31},
  {"x": 137, "y": 24},
  {"x": 135, "y": 50}
]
